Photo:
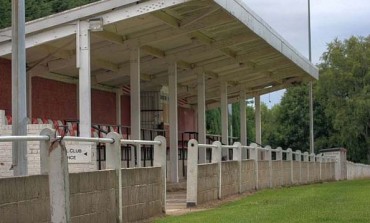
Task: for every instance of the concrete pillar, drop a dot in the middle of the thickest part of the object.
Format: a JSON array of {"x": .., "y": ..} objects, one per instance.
[
  {"x": 160, "y": 160},
  {"x": 59, "y": 183},
  {"x": 192, "y": 174},
  {"x": 118, "y": 107},
  {"x": 268, "y": 157},
  {"x": 289, "y": 157},
  {"x": 19, "y": 95},
  {"x": 224, "y": 117},
  {"x": 113, "y": 161},
  {"x": 201, "y": 115},
  {"x": 217, "y": 158},
  {"x": 254, "y": 156},
  {"x": 44, "y": 150},
  {"x": 135, "y": 103},
  {"x": 298, "y": 158},
  {"x": 243, "y": 121},
  {"x": 237, "y": 155},
  {"x": 279, "y": 153},
  {"x": 306, "y": 159},
  {"x": 172, "y": 82},
  {"x": 257, "y": 104}
]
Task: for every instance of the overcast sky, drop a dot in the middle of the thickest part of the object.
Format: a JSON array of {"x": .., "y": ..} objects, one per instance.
[{"x": 329, "y": 19}]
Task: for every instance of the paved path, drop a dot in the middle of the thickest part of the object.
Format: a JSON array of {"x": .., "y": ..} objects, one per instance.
[{"x": 176, "y": 201}]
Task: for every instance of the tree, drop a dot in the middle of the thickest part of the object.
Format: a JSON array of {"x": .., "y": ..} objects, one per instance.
[{"x": 344, "y": 90}]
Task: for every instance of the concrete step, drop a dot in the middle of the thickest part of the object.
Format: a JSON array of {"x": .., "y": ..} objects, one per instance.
[{"x": 176, "y": 200}]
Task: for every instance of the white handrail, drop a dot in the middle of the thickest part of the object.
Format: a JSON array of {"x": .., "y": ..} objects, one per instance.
[
  {"x": 87, "y": 139},
  {"x": 141, "y": 142},
  {"x": 23, "y": 138}
]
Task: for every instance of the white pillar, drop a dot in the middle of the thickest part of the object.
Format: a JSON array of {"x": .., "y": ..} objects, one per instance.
[
  {"x": 224, "y": 117},
  {"x": 19, "y": 95},
  {"x": 83, "y": 63},
  {"x": 243, "y": 122},
  {"x": 201, "y": 116},
  {"x": 29, "y": 95},
  {"x": 118, "y": 107},
  {"x": 258, "y": 119},
  {"x": 172, "y": 82},
  {"x": 135, "y": 103}
]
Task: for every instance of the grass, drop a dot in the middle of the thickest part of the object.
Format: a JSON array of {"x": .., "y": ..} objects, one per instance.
[{"x": 346, "y": 201}]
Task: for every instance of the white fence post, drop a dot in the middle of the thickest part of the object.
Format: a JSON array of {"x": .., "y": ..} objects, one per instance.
[
  {"x": 192, "y": 175},
  {"x": 306, "y": 159},
  {"x": 44, "y": 150},
  {"x": 216, "y": 158},
  {"x": 237, "y": 155},
  {"x": 59, "y": 183},
  {"x": 279, "y": 157},
  {"x": 298, "y": 157},
  {"x": 161, "y": 160},
  {"x": 289, "y": 157},
  {"x": 319, "y": 157},
  {"x": 268, "y": 156},
  {"x": 254, "y": 156},
  {"x": 113, "y": 161}
]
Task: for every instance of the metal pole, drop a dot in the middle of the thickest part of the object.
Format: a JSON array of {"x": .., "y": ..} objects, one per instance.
[
  {"x": 19, "y": 102},
  {"x": 312, "y": 145}
]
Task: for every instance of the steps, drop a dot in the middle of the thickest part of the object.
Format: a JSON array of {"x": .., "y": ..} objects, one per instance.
[{"x": 176, "y": 201}]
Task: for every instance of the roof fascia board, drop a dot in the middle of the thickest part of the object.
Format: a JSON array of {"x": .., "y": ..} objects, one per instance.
[
  {"x": 42, "y": 37},
  {"x": 241, "y": 11},
  {"x": 67, "y": 16},
  {"x": 50, "y": 31}
]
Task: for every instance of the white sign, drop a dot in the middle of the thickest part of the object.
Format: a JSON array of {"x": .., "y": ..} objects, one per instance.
[{"x": 78, "y": 154}]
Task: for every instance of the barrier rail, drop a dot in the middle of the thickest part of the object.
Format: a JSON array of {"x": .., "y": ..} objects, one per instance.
[{"x": 54, "y": 162}]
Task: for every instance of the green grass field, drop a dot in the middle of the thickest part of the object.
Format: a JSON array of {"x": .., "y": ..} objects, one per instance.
[{"x": 347, "y": 201}]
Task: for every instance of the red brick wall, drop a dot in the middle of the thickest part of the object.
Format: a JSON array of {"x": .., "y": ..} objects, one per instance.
[
  {"x": 103, "y": 107},
  {"x": 5, "y": 86},
  {"x": 186, "y": 120},
  {"x": 126, "y": 110},
  {"x": 53, "y": 99}
]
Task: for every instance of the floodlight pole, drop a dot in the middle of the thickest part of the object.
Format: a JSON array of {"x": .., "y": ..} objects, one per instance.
[
  {"x": 312, "y": 143},
  {"x": 19, "y": 95}
]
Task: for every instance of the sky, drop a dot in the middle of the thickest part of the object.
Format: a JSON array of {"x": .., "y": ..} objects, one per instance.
[{"x": 330, "y": 19}]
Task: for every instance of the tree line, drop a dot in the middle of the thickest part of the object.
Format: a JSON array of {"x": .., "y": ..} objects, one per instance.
[{"x": 341, "y": 106}]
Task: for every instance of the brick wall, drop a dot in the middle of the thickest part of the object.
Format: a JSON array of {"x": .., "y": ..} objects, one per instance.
[
  {"x": 33, "y": 151},
  {"x": 53, "y": 99},
  {"x": 103, "y": 107},
  {"x": 186, "y": 119},
  {"x": 126, "y": 110},
  {"x": 5, "y": 86}
]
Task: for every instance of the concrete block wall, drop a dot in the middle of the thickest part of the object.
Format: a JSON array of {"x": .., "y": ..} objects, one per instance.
[
  {"x": 304, "y": 173},
  {"x": 296, "y": 172},
  {"x": 92, "y": 196},
  {"x": 248, "y": 175},
  {"x": 357, "y": 171},
  {"x": 24, "y": 199},
  {"x": 287, "y": 172},
  {"x": 229, "y": 178},
  {"x": 141, "y": 193},
  {"x": 207, "y": 182},
  {"x": 263, "y": 174},
  {"x": 277, "y": 173}
]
